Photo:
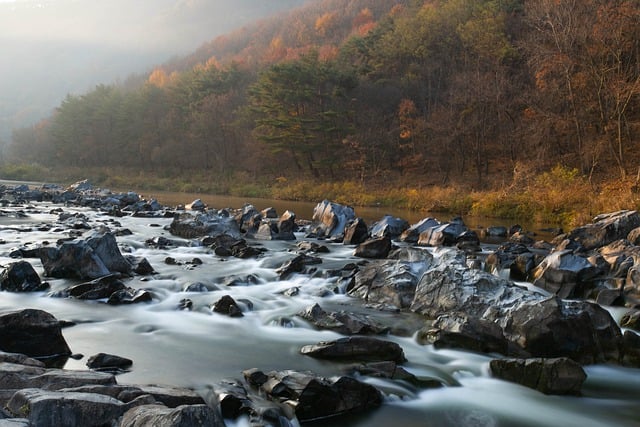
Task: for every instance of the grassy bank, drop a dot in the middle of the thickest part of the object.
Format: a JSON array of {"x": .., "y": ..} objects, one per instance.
[{"x": 560, "y": 196}]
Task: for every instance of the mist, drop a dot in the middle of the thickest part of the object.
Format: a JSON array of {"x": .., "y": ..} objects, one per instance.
[{"x": 50, "y": 48}]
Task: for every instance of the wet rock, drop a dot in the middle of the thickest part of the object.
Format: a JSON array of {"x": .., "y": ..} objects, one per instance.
[
  {"x": 445, "y": 234},
  {"x": 412, "y": 234},
  {"x": 341, "y": 322},
  {"x": 196, "y": 205},
  {"x": 227, "y": 306},
  {"x": 389, "y": 226},
  {"x": 392, "y": 371},
  {"x": 109, "y": 363},
  {"x": 34, "y": 333},
  {"x": 356, "y": 232},
  {"x": 270, "y": 213},
  {"x": 106, "y": 248},
  {"x": 564, "y": 274},
  {"x": 605, "y": 229},
  {"x": 313, "y": 397},
  {"x": 389, "y": 282},
  {"x": 631, "y": 320},
  {"x": 539, "y": 325},
  {"x": 634, "y": 236},
  {"x": 495, "y": 232},
  {"x": 183, "y": 416},
  {"x": 460, "y": 331},
  {"x": 631, "y": 349},
  {"x": 197, "y": 287},
  {"x": 330, "y": 219},
  {"x": 296, "y": 265},
  {"x": 248, "y": 219},
  {"x": 312, "y": 247},
  {"x": 93, "y": 290},
  {"x": 21, "y": 277},
  {"x": 374, "y": 248},
  {"x": 190, "y": 226},
  {"x": 20, "y": 359},
  {"x": 365, "y": 349},
  {"x": 129, "y": 296},
  {"x": 168, "y": 396},
  {"x": 522, "y": 238},
  {"x": 160, "y": 242},
  {"x": 236, "y": 280},
  {"x": 52, "y": 408},
  {"x": 468, "y": 241},
  {"x": 275, "y": 231},
  {"x": 610, "y": 297},
  {"x": 549, "y": 376},
  {"x": 140, "y": 265},
  {"x": 72, "y": 260},
  {"x": 513, "y": 256}
]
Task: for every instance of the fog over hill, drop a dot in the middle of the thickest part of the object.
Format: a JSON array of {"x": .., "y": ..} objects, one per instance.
[{"x": 49, "y": 48}]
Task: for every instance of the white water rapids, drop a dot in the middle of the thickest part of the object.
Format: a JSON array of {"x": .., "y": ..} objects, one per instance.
[{"x": 198, "y": 348}]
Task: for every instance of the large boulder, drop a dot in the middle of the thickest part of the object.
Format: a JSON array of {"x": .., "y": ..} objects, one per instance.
[
  {"x": 412, "y": 234},
  {"x": 313, "y": 398},
  {"x": 182, "y": 416},
  {"x": 106, "y": 248},
  {"x": 549, "y": 376},
  {"x": 72, "y": 260},
  {"x": 605, "y": 229},
  {"x": 378, "y": 247},
  {"x": 357, "y": 349},
  {"x": 21, "y": 277},
  {"x": 34, "y": 333},
  {"x": 538, "y": 325},
  {"x": 330, "y": 219},
  {"x": 445, "y": 234},
  {"x": 389, "y": 226},
  {"x": 356, "y": 232},
  {"x": 190, "y": 226},
  {"x": 565, "y": 274}
]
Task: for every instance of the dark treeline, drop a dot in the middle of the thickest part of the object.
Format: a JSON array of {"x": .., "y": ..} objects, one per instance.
[{"x": 429, "y": 91}]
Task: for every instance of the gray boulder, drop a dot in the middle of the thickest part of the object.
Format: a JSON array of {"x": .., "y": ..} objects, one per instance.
[
  {"x": 356, "y": 232},
  {"x": 564, "y": 274},
  {"x": 330, "y": 219},
  {"x": 378, "y": 247},
  {"x": 182, "y": 416},
  {"x": 72, "y": 260},
  {"x": 34, "y": 333},
  {"x": 445, "y": 234},
  {"x": 21, "y": 277},
  {"x": 189, "y": 225},
  {"x": 358, "y": 349},
  {"x": 389, "y": 226},
  {"x": 412, "y": 234},
  {"x": 549, "y": 376},
  {"x": 106, "y": 248},
  {"x": 341, "y": 322},
  {"x": 605, "y": 229}
]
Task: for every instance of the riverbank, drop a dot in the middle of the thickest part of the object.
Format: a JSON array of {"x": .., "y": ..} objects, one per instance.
[{"x": 560, "y": 197}]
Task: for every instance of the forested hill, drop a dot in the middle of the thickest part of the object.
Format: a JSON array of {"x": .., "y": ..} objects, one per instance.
[{"x": 426, "y": 92}]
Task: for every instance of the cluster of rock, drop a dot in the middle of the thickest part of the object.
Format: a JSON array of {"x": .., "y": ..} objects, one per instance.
[{"x": 540, "y": 339}]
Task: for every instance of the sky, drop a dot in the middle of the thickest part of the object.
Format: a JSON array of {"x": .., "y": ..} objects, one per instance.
[{"x": 49, "y": 48}]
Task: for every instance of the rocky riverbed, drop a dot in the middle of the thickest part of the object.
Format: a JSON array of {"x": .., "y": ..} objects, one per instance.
[{"x": 118, "y": 311}]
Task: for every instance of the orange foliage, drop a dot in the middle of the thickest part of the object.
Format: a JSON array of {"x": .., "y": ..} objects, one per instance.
[
  {"x": 325, "y": 23},
  {"x": 158, "y": 77}
]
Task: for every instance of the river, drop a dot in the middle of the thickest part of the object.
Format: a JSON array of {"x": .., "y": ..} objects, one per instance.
[{"x": 198, "y": 348}]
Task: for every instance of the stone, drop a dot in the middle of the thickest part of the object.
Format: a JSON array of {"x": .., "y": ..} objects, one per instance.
[
  {"x": 560, "y": 376},
  {"x": 34, "y": 333},
  {"x": 355, "y": 232},
  {"x": 513, "y": 256},
  {"x": 182, "y": 416},
  {"x": 412, "y": 234},
  {"x": 191, "y": 225},
  {"x": 631, "y": 320},
  {"x": 605, "y": 229},
  {"x": 564, "y": 274},
  {"x": 374, "y": 248},
  {"x": 21, "y": 277},
  {"x": 362, "y": 349},
  {"x": 73, "y": 260},
  {"x": 109, "y": 363},
  {"x": 106, "y": 248},
  {"x": 389, "y": 226},
  {"x": 296, "y": 265},
  {"x": 100, "y": 288},
  {"x": 196, "y": 205},
  {"x": 445, "y": 234},
  {"x": 341, "y": 322},
  {"x": 129, "y": 296},
  {"x": 227, "y": 306},
  {"x": 330, "y": 219}
]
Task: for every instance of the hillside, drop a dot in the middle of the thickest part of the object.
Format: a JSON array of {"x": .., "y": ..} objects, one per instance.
[{"x": 482, "y": 95}]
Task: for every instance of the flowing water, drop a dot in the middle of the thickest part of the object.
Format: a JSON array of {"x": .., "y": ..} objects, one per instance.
[{"x": 198, "y": 348}]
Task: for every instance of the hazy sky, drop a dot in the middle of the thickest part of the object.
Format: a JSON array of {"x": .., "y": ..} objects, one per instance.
[{"x": 49, "y": 48}]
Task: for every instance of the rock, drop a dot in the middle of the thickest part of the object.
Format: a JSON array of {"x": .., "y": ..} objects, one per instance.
[
  {"x": 513, "y": 256},
  {"x": 605, "y": 229},
  {"x": 73, "y": 260},
  {"x": 53, "y": 408},
  {"x": 634, "y": 236},
  {"x": 182, "y": 416},
  {"x": 356, "y": 232},
  {"x": 129, "y": 296},
  {"x": 389, "y": 282},
  {"x": 109, "y": 363},
  {"x": 232, "y": 399},
  {"x": 20, "y": 359},
  {"x": 412, "y": 234},
  {"x": 80, "y": 186},
  {"x": 539, "y": 325},
  {"x": 296, "y": 265},
  {"x": 312, "y": 247},
  {"x": 631, "y": 320},
  {"x": 564, "y": 274},
  {"x": 549, "y": 376},
  {"x": 190, "y": 226},
  {"x": 495, "y": 232},
  {"x": 314, "y": 398},
  {"x": 249, "y": 219},
  {"x": 269, "y": 213},
  {"x": 374, "y": 248},
  {"x": 468, "y": 241},
  {"x": 341, "y": 322},
  {"x": 21, "y": 277},
  {"x": 196, "y": 205},
  {"x": 522, "y": 238},
  {"x": 227, "y": 306},
  {"x": 444, "y": 234},
  {"x": 34, "y": 333},
  {"x": 392, "y": 371},
  {"x": 140, "y": 265},
  {"x": 631, "y": 349},
  {"x": 93, "y": 290},
  {"x": 106, "y": 248},
  {"x": 389, "y": 226},
  {"x": 460, "y": 331},
  {"x": 331, "y": 219},
  {"x": 364, "y": 349}
]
